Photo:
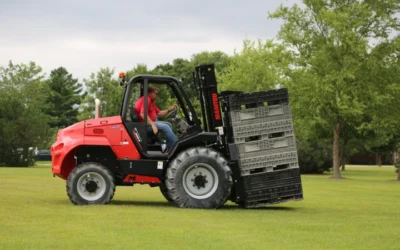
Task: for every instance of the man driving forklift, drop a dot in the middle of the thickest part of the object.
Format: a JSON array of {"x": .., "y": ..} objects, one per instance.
[{"x": 154, "y": 112}]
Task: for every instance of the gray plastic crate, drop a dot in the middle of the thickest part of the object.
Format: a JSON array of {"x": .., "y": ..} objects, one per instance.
[
  {"x": 261, "y": 145},
  {"x": 271, "y": 180},
  {"x": 275, "y": 96},
  {"x": 272, "y": 159},
  {"x": 262, "y": 130},
  {"x": 251, "y": 115},
  {"x": 268, "y": 162},
  {"x": 246, "y": 138},
  {"x": 270, "y": 188},
  {"x": 282, "y": 167},
  {"x": 262, "y": 120},
  {"x": 266, "y": 152}
]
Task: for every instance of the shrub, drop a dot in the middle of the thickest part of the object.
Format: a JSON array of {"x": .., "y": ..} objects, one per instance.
[
  {"x": 315, "y": 156},
  {"x": 21, "y": 157}
]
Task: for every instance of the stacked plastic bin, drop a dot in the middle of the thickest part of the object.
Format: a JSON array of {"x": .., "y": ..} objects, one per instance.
[{"x": 262, "y": 134}]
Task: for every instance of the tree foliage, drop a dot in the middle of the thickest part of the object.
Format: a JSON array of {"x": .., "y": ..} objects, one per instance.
[
  {"x": 23, "y": 123},
  {"x": 64, "y": 98},
  {"x": 258, "y": 66},
  {"x": 344, "y": 66},
  {"x": 104, "y": 86}
]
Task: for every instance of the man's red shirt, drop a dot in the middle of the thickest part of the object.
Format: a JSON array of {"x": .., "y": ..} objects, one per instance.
[{"x": 152, "y": 108}]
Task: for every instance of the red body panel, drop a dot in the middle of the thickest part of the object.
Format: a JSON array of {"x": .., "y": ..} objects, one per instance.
[
  {"x": 108, "y": 131},
  {"x": 132, "y": 178}
]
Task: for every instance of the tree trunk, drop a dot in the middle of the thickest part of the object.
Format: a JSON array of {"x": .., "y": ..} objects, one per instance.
[
  {"x": 378, "y": 159},
  {"x": 395, "y": 161},
  {"x": 336, "y": 158},
  {"x": 343, "y": 155},
  {"x": 345, "y": 161},
  {"x": 398, "y": 175}
]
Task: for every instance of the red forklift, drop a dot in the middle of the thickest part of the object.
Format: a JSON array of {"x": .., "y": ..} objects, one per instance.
[{"x": 218, "y": 157}]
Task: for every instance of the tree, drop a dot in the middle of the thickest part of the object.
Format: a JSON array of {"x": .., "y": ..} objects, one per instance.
[
  {"x": 258, "y": 66},
  {"x": 221, "y": 62},
  {"x": 64, "y": 98},
  {"x": 180, "y": 69},
  {"x": 139, "y": 69},
  {"x": 220, "y": 59},
  {"x": 104, "y": 86},
  {"x": 142, "y": 69},
  {"x": 183, "y": 69},
  {"x": 344, "y": 65},
  {"x": 23, "y": 123}
]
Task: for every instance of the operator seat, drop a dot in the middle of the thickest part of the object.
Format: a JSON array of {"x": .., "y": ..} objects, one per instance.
[{"x": 151, "y": 137}]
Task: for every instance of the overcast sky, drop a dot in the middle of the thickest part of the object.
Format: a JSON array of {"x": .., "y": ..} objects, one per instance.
[{"x": 86, "y": 35}]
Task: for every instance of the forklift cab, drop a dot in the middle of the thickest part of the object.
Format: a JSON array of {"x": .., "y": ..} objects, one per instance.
[{"x": 185, "y": 121}]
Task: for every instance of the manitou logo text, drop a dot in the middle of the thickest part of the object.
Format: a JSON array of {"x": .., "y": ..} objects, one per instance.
[
  {"x": 136, "y": 133},
  {"x": 217, "y": 114}
]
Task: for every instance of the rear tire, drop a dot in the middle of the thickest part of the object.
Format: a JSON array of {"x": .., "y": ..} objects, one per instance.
[
  {"x": 90, "y": 183},
  {"x": 199, "y": 178}
]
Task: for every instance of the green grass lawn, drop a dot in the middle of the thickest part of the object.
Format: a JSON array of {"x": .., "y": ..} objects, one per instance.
[
  {"x": 42, "y": 163},
  {"x": 360, "y": 212}
]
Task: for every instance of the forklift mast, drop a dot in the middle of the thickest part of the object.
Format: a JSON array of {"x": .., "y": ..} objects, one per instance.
[{"x": 206, "y": 86}]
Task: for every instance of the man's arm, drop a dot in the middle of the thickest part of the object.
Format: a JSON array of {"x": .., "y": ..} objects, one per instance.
[
  {"x": 151, "y": 123},
  {"x": 164, "y": 113}
]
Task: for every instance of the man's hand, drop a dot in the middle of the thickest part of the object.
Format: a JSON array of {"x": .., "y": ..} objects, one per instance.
[
  {"x": 173, "y": 107},
  {"x": 164, "y": 113},
  {"x": 155, "y": 129}
]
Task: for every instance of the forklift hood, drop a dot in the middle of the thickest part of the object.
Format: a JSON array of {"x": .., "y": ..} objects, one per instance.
[{"x": 70, "y": 133}]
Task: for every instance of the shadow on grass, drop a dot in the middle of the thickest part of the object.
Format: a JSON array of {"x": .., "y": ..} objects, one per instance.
[
  {"x": 121, "y": 203},
  {"x": 266, "y": 207},
  {"x": 271, "y": 208},
  {"x": 141, "y": 203},
  {"x": 168, "y": 204}
]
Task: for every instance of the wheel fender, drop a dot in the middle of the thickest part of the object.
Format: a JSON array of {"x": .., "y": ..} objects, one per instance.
[{"x": 63, "y": 153}]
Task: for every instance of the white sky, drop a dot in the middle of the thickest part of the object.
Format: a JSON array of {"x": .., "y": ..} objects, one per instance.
[{"x": 86, "y": 35}]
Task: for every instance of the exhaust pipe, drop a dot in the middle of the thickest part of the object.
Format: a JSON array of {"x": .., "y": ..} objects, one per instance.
[{"x": 97, "y": 108}]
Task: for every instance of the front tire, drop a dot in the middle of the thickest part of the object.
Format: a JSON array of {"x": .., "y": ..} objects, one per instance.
[
  {"x": 164, "y": 191},
  {"x": 90, "y": 183},
  {"x": 199, "y": 178}
]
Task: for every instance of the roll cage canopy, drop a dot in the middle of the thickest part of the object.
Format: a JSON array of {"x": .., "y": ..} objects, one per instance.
[{"x": 175, "y": 85}]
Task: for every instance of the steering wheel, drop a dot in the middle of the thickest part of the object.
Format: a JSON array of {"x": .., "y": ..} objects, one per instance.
[{"x": 172, "y": 114}]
